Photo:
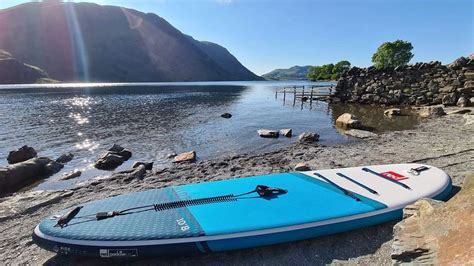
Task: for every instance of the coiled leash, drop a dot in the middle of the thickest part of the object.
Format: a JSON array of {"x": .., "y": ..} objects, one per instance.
[{"x": 261, "y": 190}]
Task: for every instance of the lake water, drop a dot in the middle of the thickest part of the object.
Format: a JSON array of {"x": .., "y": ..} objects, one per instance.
[{"x": 154, "y": 120}]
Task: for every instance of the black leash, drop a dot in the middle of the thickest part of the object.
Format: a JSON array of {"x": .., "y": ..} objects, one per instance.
[
  {"x": 358, "y": 183},
  {"x": 386, "y": 178},
  {"x": 261, "y": 190},
  {"x": 345, "y": 191}
]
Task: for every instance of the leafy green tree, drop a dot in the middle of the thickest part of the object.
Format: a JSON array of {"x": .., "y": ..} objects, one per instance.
[
  {"x": 393, "y": 54},
  {"x": 328, "y": 71}
]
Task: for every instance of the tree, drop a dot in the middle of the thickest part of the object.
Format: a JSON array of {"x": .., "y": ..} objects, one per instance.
[
  {"x": 328, "y": 71},
  {"x": 393, "y": 54}
]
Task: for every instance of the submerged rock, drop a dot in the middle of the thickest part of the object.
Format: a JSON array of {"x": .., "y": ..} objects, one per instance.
[
  {"x": 189, "y": 156},
  {"x": 268, "y": 133},
  {"x": 308, "y": 137},
  {"x": 65, "y": 158},
  {"x": 71, "y": 175},
  {"x": 348, "y": 120},
  {"x": 226, "y": 115},
  {"x": 22, "y": 154},
  {"x": 437, "y": 234},
  {"x": 287, "y": 132},
  {"x": 392, "y": 112},
  {"x": 362, "y": 134}
]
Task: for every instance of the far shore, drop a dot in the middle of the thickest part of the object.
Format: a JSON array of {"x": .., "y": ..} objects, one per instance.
[{"x": 445, "y": 142}]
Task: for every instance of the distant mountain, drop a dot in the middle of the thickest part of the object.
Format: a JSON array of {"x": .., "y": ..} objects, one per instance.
[
  {"x": 292, "y": 73},
  {"x": 13, "y": 71},
  {"x": 90, "y": 42}
]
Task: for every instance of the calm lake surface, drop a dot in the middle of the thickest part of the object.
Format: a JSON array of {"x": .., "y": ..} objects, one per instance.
[{"x": 154, "y": 120}]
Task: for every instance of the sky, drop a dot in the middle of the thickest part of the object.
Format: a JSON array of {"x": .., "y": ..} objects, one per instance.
[{"x": 269, "y": 34}]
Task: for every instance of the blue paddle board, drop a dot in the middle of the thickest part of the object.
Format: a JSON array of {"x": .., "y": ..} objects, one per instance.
[{"x": 230, "y": 214}]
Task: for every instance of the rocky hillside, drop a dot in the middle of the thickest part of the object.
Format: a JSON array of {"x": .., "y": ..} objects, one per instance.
[
  {"x": 89, "y": 42},
  {"x": 13, "y": 71},
  {"x": 292, "y": 73}
]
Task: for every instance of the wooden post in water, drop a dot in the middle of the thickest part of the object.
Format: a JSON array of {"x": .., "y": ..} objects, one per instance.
[
  {"x": 294, "y": 95},
  {"x": 311, "y": 99},
  {"x": 284, "y": 95}
]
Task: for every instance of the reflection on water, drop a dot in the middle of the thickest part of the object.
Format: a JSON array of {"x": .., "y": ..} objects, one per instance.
[{"x": 153, "y": 121}]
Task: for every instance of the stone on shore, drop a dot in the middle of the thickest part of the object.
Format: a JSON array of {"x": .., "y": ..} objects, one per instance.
[
  {"x": 434, "y": 111},
  {"x": 71, "y": 175},
  {"x": 463, "y": 102},
  {"x": 302, "y": 167},
  {"x": 268, "y": 133},
  {"x": 65, "y": 158},
  {"x": 392, "y": 112},
  {"x": 113, "y": 158},
  {"x": 286, "y": 132},
  {"x": 362, "y": 134},
  {"x": 134, "y": 173},
  {"x": 226, "y": 115},
  {"x": 189, "y": 156},
  {"x": 22, "y": 154},
  {"x": 148, "y": 166},
  {"x": 459, "y": 112},
  {"x": 308, "y": 137},
  {"x": 449, "y": 99},
  {"x": 437, "y": 233},
  {"x": 348, "y": 120},
  {"x": 16, "y": 176}
]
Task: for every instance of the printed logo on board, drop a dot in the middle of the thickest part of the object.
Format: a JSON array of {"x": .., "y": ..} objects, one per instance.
[
  {"x": 110, "y": 253},
  {"x": 394, "y": 176}
]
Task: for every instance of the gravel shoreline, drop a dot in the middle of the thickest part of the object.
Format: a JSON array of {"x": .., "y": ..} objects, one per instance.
[{"x": 446, "y": 142}]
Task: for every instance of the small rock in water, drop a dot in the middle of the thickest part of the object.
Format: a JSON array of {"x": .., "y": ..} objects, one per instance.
[
  {"x": 109, "y": 161},
  {"x": 53, "y": 167},
  {"x": 126, "y": 154},
  {"x": 392, "y": 112},
  {"x": 65, "y": 158},
  {"x": 434, "y": 111},
  {"x": 148, "y": 166},
  {"x": 348, "y": 120},
  {"x": 171, "y": 155},
  {"x": 287, "y": 132},
  {"x": 302, "y": 167},
  {"x": 22, "y": 154},
  {"x": 189, "y": 156},
  {"x": 362, "y": 134},
  {"x": 71, "y": 175},
  {"x": 226, "y": 115},
  {"x": 308, "y": 137},
  {"x": 116, "y": 148},
  {"x": 268, "y": 133}
]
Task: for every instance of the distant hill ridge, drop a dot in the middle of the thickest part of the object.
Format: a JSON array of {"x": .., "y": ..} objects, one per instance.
[
  {"x": 292, "y": 73},
  {"x": 13, "y": 71},
  {"x": 90, "y": 42}
]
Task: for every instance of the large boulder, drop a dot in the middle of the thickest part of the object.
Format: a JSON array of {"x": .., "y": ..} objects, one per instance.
[
  {"x": 184, "y": 157},
  {"x": 268, "y": 133},
  {"x": 449, "y": 99},
  {"x": 434, "y": 233},
  {"x": 348, "y": 120},
  {"x": 22, "y": 154},
  {"x": 458, "y": 63},
  {"x": 308, "y": 137},
  {"x": 16, "y": 176}
]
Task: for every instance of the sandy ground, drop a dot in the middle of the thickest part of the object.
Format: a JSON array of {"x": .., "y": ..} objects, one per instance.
[{"x": 446, "y": 142}]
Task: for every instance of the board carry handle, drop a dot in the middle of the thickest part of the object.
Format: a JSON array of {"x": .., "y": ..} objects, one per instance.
[
  {"x": 358, "y": 183},
  {"x": 386, "y": 178},
  {"x": 343, "y": 190},
  {"x": 68, "y": 216}
]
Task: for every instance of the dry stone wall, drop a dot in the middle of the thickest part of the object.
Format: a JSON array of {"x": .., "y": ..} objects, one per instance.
[{"x": 419, "y": 84}]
